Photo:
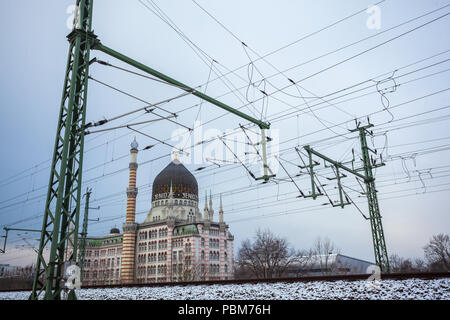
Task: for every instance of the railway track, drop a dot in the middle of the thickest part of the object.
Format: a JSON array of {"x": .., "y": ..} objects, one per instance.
[{"x": 353, "y": 277}]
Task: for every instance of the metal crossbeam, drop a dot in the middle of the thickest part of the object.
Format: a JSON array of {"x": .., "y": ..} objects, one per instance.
[{"x": 100, "y": 47}]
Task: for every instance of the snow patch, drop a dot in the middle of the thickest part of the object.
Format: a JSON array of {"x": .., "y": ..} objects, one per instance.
[{"x": 417, "y": 289}]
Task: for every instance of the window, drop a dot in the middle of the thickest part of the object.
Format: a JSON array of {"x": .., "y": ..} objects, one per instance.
[
  {"x": 214, "y": 255},
  {"x": 214, "y": 243},
  {"x": 214, "y": 268},
  {"x": 213, "y": 232},
  {"x": 162, "y": 269}
]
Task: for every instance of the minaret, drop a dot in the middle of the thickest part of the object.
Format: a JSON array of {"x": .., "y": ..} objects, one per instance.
[
  {"x": 205, "y": 210},
  {"x": 171, "y": 202},
  {"x": 211, "y": 210},
  {"x": 220, "y": 210},
  {"x": 222, "y": 225},
  {"x": 130, "y": 227}
]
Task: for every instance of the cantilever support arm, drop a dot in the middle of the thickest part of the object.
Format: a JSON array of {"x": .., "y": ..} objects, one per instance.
[
  {"x": 16, "y": 229},
  {"x": 97, "y": 45},
  {"x": 335, "y": 163}
]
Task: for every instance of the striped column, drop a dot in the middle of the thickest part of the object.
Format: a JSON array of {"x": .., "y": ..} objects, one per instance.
[
  {"x": 222, "y": 260},
  {"x": 130, "y": 227},
  {"x": 169, "y": 251}
]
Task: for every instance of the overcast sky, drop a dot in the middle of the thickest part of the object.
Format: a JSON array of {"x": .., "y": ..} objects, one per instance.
[{"x": 401, "y": 39}]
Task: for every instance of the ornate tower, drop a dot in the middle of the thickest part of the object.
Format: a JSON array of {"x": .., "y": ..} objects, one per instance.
[
  {"x": 211, "y": 210},
  {"x": 130, "y": 227},
  {"x": 220, "y": 210},
  {"x": 205, "y": 209}
]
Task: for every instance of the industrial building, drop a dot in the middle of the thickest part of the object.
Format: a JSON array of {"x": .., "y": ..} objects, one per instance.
[{"x": 176, "y": 242}]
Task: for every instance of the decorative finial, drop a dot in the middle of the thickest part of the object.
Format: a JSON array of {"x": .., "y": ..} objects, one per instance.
[
  {"x": 134, "y": 145},
  {"x": 175, "y": 155}
]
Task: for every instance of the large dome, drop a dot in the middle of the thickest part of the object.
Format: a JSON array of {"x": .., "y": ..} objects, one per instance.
[{"x": 184, "y": 184}]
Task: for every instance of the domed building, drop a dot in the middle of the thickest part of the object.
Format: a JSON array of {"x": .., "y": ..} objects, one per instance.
[
  {"x": 175, "y": 242},
  {"x": 174, "y": 194}
]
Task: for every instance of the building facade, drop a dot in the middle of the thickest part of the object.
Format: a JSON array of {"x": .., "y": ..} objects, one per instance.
[{"x": 176, "y": 242}]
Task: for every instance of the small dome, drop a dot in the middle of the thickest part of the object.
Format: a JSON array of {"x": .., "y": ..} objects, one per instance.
[
  {"x": 114, "y": 231},
  {"x": 184, "y": 184}
]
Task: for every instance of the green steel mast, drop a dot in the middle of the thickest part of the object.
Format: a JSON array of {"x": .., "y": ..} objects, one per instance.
[
  {"x": 64, "y": 189},
  {"x": 84, "y": 233},
  {"x": 379, "y": 243}
]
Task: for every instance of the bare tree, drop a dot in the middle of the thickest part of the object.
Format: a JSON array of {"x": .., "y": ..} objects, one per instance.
[
  {"x": 419, "y": 265},
  {"x": 322, "y": 252},
  {"x": 190, "y": 271},
  {"x": 267, "y": 257},
  {"x": 407, "y": 266},
  {"x": 437, "y": 252},
  {"x": 395, "y": 262},
  {"x": 300, "y": 267},
  {"x": 399, "y": 264}
]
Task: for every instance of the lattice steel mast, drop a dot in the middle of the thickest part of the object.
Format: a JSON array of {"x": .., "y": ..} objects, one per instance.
[
  {"x": 379, "y": 243},
  {"x": 64, "y": 190}
]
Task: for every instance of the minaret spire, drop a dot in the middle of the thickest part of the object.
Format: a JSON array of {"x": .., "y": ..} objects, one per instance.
[
  {"x": 171, "y": 202},
  {"x": 130, "y": 226},
  {"x": 220, "y": 210},
  {"x": 205, "y": 210},
  {"x": 171, "y": 190},
  {"x": 211, "y": 210}
]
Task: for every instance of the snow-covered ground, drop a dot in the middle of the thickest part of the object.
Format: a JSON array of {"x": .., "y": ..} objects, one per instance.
[{"x": 387, "y": 289}]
